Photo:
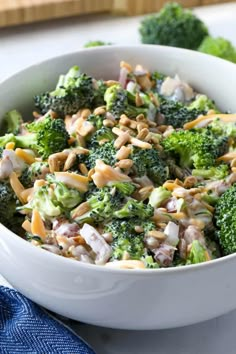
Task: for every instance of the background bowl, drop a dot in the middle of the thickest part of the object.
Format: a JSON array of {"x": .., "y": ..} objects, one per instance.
[{"x": 127, "y": 299}]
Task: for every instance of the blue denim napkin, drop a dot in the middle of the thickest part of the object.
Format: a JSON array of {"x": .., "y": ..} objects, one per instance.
[{"x": 26, "y": 328}]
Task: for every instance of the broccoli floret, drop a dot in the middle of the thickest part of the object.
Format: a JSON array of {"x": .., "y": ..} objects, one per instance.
[
  {"x": 96, "y": 120},
  {"x": 126, "y": 240},
  {"x": 177, "y": 114},
  {"x": 48, "y": 137},
  {"x": 197, "y": 254},
  {"x": 67, "y": 197},
  {"x": 195, "y": 148},
  {"x": 219, "y": 47},
  {"x": 210, "y": 198},
  {"x": 158, "y": 196},
  {"x": 225, "y": 218},
  {"x": 73, "y": 92},
  {"x": 8, "y": 204},
  {"x": 147, "y": 162},
  {"x": 12, "y": 122},
  {"x": 125, "y": 188},
  {"x": 173, "y": 26},
  {"x": 149, "y": 262},
  {"x": 102, "y": 203},
  {"x": 103, "y": 134},
  {"x": 213, "y": 173},
  {"x": 105, "y": 152},
  {"x": 44, "y": 200},
  {"x": 134, "y": 208},
  {"x": 96, "y": 44},
  {"x": 117, "y": 103},
  {"x": 36, "y": 170},
  {"x": 218, "y": 127},
  {"x": 202, "y": 103}
]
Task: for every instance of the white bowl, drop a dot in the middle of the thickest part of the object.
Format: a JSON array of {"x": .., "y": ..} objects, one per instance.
[{"x": 128, "y": 299}]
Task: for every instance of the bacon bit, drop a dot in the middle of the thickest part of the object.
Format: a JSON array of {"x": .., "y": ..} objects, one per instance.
[
  {"x": 105, "y": 174},
  {"x": 37, "y": 225},
  {"x": 28, "y": 158},
  {"x": 17, "y": 187},
  {"x": 10, "y": 146},
  {"x": 27, "y": 226},
  {"x": 73, "y": 180}
]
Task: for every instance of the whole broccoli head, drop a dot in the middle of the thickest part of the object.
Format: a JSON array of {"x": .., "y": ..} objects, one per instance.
[
  {"x": 91, "y": 44},
  {"x": 126, "y": 239},
  {"x": 147, "y": 162},
  {"x": 177, "y": 114},
  {"x": 195, "y": 148},
  {"x": 117, "y": 103},
  {"x": 73, "y": 92},
  {"x": 47, "y": 137},
  {"x": 225, "y": 219},
  {"x": 102, "y": 205},
  {"x": 219, "y": 47},
  {"x": 173, "y": 26}
]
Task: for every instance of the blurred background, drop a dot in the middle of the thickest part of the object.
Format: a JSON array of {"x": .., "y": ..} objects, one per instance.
[{"x": 13, "y": 12}]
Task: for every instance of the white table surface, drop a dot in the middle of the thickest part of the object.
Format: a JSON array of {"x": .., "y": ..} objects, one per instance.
[{"x": 26, "y": 45}]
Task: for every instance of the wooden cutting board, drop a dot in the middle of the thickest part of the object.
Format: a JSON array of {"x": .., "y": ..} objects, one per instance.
[{"x": 13, "y": 12}]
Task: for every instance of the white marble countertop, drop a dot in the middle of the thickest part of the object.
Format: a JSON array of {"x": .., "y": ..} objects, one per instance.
[{"x": 25, "y": 45}]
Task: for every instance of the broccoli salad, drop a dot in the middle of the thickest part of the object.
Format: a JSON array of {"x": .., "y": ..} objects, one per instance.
[{"x": 136, "y": 173}]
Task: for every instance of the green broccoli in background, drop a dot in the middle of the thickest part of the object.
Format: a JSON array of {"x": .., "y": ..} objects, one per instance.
[
  {"x": 173, "y": 26},
  {"x": 98, "y": 43},
  {"x": 219, "y": 47}
]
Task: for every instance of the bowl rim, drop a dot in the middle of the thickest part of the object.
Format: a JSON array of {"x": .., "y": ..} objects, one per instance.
[{"x": 103, "y": 268}]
